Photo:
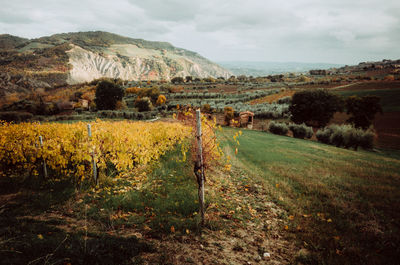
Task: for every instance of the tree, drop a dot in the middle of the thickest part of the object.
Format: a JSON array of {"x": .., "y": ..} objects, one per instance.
[
  {"x": 314, "y": 107},
  {"x": 177, "y": 79},
  {"x": 189, "y": 79},
  {"x": 161, "y": 100},
  {"x": 362, "y": 110},
  {"x": 152, "y": 93},
  {"x": 108, "y": 93},
  {"x": 143, "y": 104},
  {"x": 229, "y": 115}
]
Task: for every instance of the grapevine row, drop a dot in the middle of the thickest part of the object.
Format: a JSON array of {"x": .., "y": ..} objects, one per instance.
[{"x": 67, "y": 150}]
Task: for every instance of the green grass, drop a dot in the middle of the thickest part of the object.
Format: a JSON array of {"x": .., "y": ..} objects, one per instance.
[
  {"x": 167, "y": 198},
  {"x": 390, "y": 98},
  {"x": 345, "y": 204},
  {"x": 25, "y": 238}
]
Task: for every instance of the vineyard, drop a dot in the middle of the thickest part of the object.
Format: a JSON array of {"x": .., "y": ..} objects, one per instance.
[{"x": 68, "y": 151}]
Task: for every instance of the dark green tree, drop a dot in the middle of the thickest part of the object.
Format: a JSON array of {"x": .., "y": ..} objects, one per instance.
[
  {"x": 108, "y": 93},
  {"x": 189, "y": 79},
  {"x": 362, "y": 110},
  {"x": 314, "y": 107},
  {"x": 177, "y": 79}
]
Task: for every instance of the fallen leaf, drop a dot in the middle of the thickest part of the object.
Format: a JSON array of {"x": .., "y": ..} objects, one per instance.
[{"x": 172, "y": 229}]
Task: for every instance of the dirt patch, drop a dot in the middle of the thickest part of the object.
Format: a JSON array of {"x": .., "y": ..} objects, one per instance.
[{"x": 272, "y": 98}]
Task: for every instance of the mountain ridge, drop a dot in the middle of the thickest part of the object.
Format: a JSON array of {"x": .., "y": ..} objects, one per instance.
[
  {"x": 263, "y": 68},
  {"x": 83, "y": 56}
]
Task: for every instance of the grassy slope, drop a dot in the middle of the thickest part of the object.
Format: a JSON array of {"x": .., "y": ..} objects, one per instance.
[{"x": 342, "y": 205}]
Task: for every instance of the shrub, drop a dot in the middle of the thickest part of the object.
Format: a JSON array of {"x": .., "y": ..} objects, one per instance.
[
  {"x": 10, "y": 116},
  {"x": 367, "y": 139},
  {"x": 389, "y": 78},
  {"x": 143, "y": 104},
  {"x": 120, "y": 105},
  {"x": 229, "y": 114},
  {"x": 324, "y": 135},
  {"x": 206, "y": 108},
  {"x": 177, "y": 79},
  {"x": 153, "y": 93},
  {"x": 285, "y": 100},
  {"x": 301, "y": 131},
  {"x": 108, "y": 94},
  {"x": 278, "y": 128},
  {"x": 161, "y": 100},
  {"x": 132, "y": 90},
  {"x": 346, "y": 136}
]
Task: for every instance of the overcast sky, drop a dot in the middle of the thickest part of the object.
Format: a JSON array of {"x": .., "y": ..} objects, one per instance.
[{"x": 331, "y": 31}]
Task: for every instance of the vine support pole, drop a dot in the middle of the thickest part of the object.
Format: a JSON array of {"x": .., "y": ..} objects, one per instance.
[
  {"x": 96, "y": 181},
  {"x": 44, "y": 162},
  {"x": 199, "y": 165}
]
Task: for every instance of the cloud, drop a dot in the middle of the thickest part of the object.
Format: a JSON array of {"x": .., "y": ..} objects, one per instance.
[{"x": 338, "y": 31}]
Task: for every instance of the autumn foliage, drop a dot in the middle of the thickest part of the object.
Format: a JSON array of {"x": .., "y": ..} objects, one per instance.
[{"x": 67, "y": 147}]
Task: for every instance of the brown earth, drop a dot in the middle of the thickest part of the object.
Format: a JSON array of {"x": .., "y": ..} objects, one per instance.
[
  {"x": 369, "y": 85},
  {"x": 260, "y": 239}
]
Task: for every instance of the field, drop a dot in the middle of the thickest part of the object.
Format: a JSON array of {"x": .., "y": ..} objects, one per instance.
[
  {"x": 387, "y": 125},
  {"x": 340, "y": 205},
  {"x": 269, "y": 199},
  {"x": 388, "y": 92},
  {"x": 284, "y": 201}
]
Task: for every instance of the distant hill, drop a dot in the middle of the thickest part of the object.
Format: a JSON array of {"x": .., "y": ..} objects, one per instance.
[
  {"x": 83, "y": 56},
  {"x": 249, "y": 68},
  {"x": 8, "y": 41}
]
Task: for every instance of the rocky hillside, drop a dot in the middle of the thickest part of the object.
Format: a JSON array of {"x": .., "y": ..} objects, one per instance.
[{"x": 79, "y": 57}]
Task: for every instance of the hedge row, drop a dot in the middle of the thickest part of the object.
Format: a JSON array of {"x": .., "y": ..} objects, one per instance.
[{"x": 346, "y": 136}]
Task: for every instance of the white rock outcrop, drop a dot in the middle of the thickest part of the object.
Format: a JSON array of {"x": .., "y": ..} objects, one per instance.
[{"x": 129, "y": 62}]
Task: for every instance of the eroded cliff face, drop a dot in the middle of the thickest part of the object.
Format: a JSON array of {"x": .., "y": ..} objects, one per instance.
[
  {"x": 130, "y": 62},
  {"x": 84, "y": 56}
]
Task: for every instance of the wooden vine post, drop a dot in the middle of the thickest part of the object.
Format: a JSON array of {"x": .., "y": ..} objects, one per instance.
[
  {"x": 199, "y": 165},
  {"x": 96, "y": 181},
  {"x": 44, "y": 162}
]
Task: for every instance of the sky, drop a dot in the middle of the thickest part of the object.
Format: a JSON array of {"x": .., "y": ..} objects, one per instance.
[{"x": 323, "y": 31}]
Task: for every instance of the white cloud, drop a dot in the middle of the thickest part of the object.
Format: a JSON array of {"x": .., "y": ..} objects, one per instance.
[{"x": 338, "y": 31}]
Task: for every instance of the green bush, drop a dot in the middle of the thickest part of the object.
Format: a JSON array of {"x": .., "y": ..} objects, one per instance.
[
  {"x": 324, "y": 135},
  {"x": 346, "y": 136},
  {"x": 143, "y": 104},
  {"x": 177, "y": 79},
  {"x": 229, "y": 115},
  {"x": 151, "y": 93},
  {"x": 285, "y": 100},
  {"x": 206, "y": 108},
  {"x": 278, "y": 128},
  {"x": 15, "y": 116},
  {"x": 301, "y": 131}
]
